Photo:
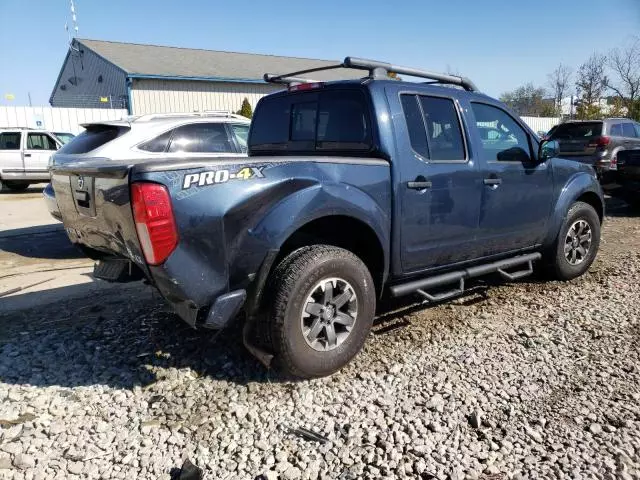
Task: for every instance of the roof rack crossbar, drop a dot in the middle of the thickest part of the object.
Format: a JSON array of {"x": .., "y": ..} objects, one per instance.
[
  {"x": 285, "y": 79},
  {"x": 371, "y": 65},
  {"x": 293, "y": 76},
  {"x": 376, "y": 70}
]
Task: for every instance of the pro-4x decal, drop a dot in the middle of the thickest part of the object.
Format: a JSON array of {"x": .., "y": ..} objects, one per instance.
[{"x": 213, "y": 177}]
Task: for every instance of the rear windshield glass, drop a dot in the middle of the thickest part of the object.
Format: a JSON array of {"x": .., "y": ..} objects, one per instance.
[
  {"x": 577, "y": 130},
  {"x": 333, "y": 121},
  {"x": 92, "y": 138}
]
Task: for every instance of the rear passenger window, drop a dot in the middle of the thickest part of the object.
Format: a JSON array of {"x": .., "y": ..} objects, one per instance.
[
  {"x": 158, "y": 144},
  {"x": 201, "y": 138},
  {"x": 10, "y": 141},
  {"x": 502, "y": 138},
  {"x": 627, "y": 130},
  {"x": 443, "y": 129},
  {"x": 415, "y": 125},
  {"x": 616, "y": 130},
  {"x": 434, "y": 128},
  {"x": 637, "y": 128}
]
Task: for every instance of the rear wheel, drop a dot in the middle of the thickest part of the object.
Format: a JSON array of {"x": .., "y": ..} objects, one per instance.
[
  {"x": 323, "y": 307},
  {"x": 577, "y": 243}
]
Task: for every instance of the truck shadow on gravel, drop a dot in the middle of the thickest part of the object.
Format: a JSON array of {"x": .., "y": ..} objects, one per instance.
[
  {"x": 42, "y": 242},
  {"x": 614, "y": 207},
  {"x": 118, "y": 342},
  {"x": 125, "y": 340}
]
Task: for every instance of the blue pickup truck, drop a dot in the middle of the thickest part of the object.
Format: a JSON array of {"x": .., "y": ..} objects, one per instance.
[{"x": 352, "y": 190}]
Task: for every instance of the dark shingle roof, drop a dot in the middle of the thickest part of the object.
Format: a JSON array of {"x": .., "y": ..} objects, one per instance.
[{"x": 187, "y": 62}]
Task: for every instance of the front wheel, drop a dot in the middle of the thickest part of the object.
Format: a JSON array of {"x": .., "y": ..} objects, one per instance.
[
  {"x": 577, "y": 243},
  {"x": 324, "y": 302}
]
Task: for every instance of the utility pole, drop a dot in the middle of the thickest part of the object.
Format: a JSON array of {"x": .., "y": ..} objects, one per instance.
[{"x": 29, "y": 95}]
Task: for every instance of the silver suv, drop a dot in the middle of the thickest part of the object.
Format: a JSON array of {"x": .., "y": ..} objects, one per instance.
[
  {"x": 597, "y": 142},
  {"x": 153, "y": 137}
]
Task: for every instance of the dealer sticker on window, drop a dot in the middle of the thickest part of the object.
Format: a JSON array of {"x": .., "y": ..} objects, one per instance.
[{"x": 221, "y": 176}]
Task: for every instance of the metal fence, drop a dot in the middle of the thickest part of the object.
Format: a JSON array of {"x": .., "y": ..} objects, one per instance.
[
  {"x": 56, "y": 119},
  {"x": 541, "y": 124}
]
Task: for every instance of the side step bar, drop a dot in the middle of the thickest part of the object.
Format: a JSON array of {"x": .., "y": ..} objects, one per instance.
[{"x": 457, "y": 278}]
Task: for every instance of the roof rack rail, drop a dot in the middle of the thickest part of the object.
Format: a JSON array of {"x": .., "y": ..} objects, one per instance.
[
  {"x": 206, "y": 113},
  {"x": 376, "y": 69}
]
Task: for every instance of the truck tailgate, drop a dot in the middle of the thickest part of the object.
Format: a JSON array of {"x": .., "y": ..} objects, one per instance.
[{"x": 94, "y": 203}]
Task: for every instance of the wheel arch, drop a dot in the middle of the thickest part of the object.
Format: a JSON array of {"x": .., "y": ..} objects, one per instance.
[{"x": 582, "y": 187}]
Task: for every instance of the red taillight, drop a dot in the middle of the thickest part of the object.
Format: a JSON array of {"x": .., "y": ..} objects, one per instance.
[
  {"x": 600, "y": 141},
  {"x": 154, "y": 219},
  {"x": 298, "y": 87}
]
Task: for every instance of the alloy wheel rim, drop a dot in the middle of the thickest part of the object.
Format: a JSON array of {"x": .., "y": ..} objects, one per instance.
[
  {"x": 577, "y": 243},
  {"x": 329, "y": 314}
]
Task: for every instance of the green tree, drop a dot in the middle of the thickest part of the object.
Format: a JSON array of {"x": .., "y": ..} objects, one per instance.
[
  {"x": 526, "y": 100},
  {"x": 588, "y": 111},
  {"x": 549, "y": 110},
  {"x": 245, "y": 109}
]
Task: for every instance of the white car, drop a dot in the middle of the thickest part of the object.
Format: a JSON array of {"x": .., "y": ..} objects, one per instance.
[
  {"x": 155, "y": 137},
  {"x": 24, "y": 157}
]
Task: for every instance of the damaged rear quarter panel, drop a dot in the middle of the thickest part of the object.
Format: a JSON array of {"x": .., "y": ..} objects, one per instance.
[{"x": 227, "y": 224}]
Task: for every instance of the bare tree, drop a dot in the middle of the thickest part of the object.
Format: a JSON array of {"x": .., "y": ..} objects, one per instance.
[
  {"x": 559, "y": 84},
  {"x": 625, "y": 65},
  {"x": 591, "y": 83}
]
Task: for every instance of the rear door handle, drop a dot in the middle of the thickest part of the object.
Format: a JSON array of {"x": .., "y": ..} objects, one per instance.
[
  {"x": 419, "y": 185},
  {"x": 492, "y": 181},
  {"x": 27, "y": 154}
]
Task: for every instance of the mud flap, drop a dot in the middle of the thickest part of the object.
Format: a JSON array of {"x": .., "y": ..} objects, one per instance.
[{"x": 116, "y": 270}]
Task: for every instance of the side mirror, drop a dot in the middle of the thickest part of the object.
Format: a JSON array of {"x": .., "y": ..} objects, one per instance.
[{"x": 548, "y": 149}]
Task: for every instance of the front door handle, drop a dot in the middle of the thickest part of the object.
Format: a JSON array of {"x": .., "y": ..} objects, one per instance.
[
  {"x": 27, "y": 154},
  {"x": 420, "y": 183},
  {"x": 492, "y": 181}
]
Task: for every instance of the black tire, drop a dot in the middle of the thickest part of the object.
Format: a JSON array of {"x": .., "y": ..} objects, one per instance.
[
  {"x": 560, "y": 266},
  {"x": 292, "y": 283}
]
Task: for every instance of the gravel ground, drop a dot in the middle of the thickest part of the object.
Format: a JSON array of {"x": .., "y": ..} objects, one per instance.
[{"x": 526, "y": 380}]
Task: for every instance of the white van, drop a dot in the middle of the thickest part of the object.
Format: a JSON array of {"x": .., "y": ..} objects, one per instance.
[{"x": 24, "y": 157}]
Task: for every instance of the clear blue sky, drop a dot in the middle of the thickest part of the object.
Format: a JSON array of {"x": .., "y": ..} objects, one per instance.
[{"x": 500, "y": 44}]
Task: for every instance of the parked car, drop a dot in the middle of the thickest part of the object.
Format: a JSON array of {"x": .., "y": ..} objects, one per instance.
[
  {"x": 64, "y": 137},
  {"x": 597, "y": 142},
  {"x": 352, "y": 190},
  {"x": 545, "y": 136},
  {"x": 627, "y": 178},
  {"x": 156, "y": 137},
  {"x": 24, "y": 154}
]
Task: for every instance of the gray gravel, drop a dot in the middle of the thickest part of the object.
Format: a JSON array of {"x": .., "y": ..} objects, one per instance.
[{"x": 527, "y": 380}]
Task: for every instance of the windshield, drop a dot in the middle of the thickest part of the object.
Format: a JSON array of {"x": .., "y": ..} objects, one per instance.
[{"x": 577, "y": 130}]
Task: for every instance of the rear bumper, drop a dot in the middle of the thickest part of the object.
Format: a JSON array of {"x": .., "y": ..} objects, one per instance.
[{"x": 50, "y": 199}]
